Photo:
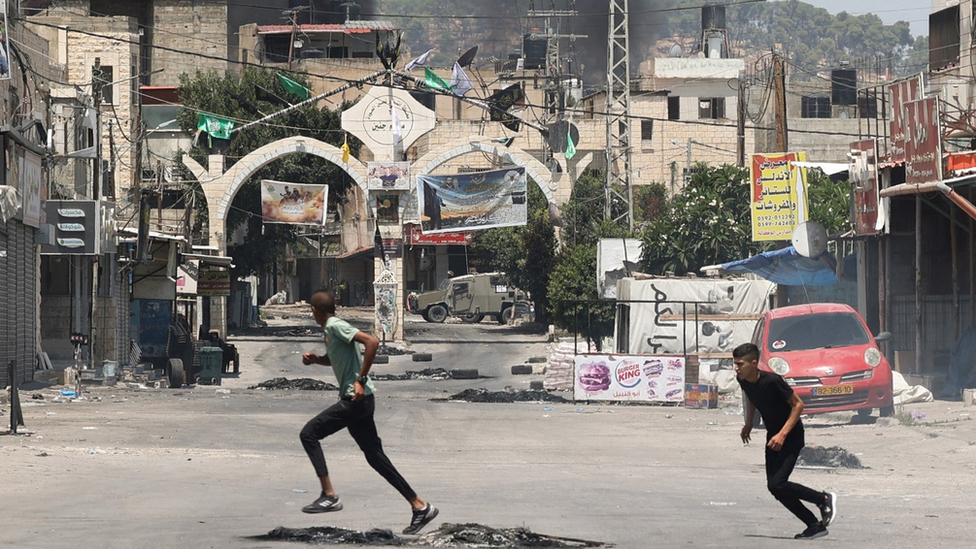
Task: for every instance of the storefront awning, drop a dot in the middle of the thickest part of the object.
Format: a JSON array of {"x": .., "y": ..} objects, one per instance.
[
  {"x": 357, "y": 252},
  {"x": 219, "y": 260}
]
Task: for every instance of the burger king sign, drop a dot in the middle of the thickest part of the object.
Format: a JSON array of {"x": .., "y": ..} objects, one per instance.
[{"x": 629, "y": 378}]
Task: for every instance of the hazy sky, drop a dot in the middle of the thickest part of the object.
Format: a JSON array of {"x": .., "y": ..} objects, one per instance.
[{"x": 916, "y": 12}]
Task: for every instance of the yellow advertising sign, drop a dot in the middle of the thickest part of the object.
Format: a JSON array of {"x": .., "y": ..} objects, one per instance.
[
  {"x": 213, "y": 283},
  {"x": 778, "y": 195}
]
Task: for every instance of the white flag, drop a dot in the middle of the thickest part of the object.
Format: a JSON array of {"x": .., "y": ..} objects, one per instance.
[
  {"x": 418, "y": 62},
  {"x": 460, "y": 83},
  {"x": 397, "y": 131}
]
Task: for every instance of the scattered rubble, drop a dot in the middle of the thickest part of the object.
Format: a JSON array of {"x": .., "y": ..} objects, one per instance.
[
  {"x": 301, "y": 384},
  {"x": 426, "y": 373},
  {"x": 448, "y": 535},
  {"x": 478, "y": 535},
  {"x": 484, "y": 395},
  {"x": 331, "y": 534},
  {"x": 832, "y": 456},
  {"x": 392, "y": 351}
]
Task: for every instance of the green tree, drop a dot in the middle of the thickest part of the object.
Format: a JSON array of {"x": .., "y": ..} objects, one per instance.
[
  {"x": 574, "y": 275},
  {"x": 708, "y": 223},
  {"x": 526, "y": 254},
  {"x": 829, "y": 202},
  {"x": 650, "y": 201},
  {"x": 214, "y": 93}
]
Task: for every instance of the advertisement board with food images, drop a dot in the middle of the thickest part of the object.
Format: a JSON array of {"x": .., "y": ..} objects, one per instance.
[{"x": 632, "y": 378}]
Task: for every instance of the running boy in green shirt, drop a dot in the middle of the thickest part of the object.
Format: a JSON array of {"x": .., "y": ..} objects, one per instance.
[{"x": 354, "y": 411}]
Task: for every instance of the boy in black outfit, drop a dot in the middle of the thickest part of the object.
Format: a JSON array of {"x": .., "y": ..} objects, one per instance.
[{"x": 780, "y": 409}]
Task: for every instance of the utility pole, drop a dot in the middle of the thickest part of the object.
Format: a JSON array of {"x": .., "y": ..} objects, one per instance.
[
  {"x": 740, "y": 125},
  {"x": 779, "y": 95},
  {"x": 293, "y": 18},
  {"x": 618, "y": 114}
]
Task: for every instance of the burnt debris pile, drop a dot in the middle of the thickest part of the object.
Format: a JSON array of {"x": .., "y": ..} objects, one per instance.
[
  {"x": 448, "y": 535},
  {"x": 484, "y": 395},
  {"x": 832, "y": 456},
  {"x": 301, "y": 384},
  {"x": 333, "y": 535},
  {"x": 426, "y": 373},
  {"x": 392, "y": 351}
]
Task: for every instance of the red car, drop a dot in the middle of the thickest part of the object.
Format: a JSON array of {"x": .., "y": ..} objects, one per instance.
[{"x": 827, "y": 355}]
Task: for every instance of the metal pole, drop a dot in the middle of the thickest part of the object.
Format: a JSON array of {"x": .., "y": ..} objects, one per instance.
[
  {"x": 779, "y": 89},
  {"x": 740, "y": 126},
  {"x": 918, "y": 285}
]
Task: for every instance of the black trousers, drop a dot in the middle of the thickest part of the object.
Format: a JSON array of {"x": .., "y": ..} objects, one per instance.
[
  {"x": 358, "y": 418},
  {"x": 779, "y": 466}
]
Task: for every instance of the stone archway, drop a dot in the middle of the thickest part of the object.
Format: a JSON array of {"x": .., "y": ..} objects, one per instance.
[
  {"x": 544, "y": 178},
  {"x": 221, "y": 187}
]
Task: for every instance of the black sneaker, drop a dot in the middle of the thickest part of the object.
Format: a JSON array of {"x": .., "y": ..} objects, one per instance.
[
  {"x": 325, "y": 504},
  {"x": 828, "y": 509},
  {"x": 812, "y": 532},
  {"x": 420, "y": 519}
]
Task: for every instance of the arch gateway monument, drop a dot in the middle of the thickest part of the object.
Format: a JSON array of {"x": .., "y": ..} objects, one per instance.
[{"x": 388, "y": 121}]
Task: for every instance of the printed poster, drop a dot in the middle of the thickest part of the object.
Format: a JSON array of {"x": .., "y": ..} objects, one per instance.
[
  {"x": 778, "y": 195},
  {"x": 293, "y": 203},
  {"x": 629, "y": 378},
  {"x": 472, "y": 201},
  {"x": 388, "y": 176},
  {"x": 4, "y": 43}
]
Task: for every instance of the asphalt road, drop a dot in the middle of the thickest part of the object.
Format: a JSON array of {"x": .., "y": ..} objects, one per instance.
[{"x": 213, "y": 466}]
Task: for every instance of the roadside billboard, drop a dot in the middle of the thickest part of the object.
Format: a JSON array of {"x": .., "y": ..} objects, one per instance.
[
  {"x": 472, "y": 201},
  {"x": 864, "y": 177},
  {"x": 293, "y": 203},
  {"x": 778, "y": 195},
  {"x": 629, "y": 378},
  {"x": 417, "y": 238},
  {"x": 388, "y": 176},
  {"x": 923, "y": 141},
  {"x": 901, "y": 93},
  {"x": 213, "y": 283}
]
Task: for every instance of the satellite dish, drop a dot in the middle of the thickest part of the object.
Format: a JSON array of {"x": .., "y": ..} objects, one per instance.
[
  {"x": 810, "y": 239},
  {"x": 676, "y": 51}
]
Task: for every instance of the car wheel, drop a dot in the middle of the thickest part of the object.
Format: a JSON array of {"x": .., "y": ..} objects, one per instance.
[
  {"x": 888, "y": 411},
  {"x": 864, "y": 412},
  {"x": 506, "y": 315},
  {"x": 436, "y": 313},
  {"x": 472, "y": 318}
]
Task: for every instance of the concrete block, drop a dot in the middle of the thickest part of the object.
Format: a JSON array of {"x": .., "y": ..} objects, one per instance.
[{"x": 968, "y": 397}]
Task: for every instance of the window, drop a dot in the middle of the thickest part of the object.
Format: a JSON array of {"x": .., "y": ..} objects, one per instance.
[
  {"x": 674, "y": 108},
  {"x": 647, "y": 130},
  {"x": 711, "y": 108},
  {"x": 944, "y": 38},
  {"x": 105, "y": 75}
]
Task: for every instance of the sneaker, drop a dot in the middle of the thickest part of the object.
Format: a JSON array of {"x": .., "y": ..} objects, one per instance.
[
  {"x": 420, "y": 519},
  {"x": 828, "y": 509},
  {"x": 325, "y": 504},
  {"x": 812, "y": 532}
]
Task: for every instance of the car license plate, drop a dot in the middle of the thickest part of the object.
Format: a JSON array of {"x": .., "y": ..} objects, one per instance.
[{"x": 833, "y": 390}]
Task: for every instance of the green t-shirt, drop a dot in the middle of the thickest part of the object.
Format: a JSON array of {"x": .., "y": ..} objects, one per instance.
[{"x": 344, "y": 354}]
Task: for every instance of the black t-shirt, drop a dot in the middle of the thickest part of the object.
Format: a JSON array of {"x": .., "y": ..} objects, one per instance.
[{"x": 771, "y": 397}]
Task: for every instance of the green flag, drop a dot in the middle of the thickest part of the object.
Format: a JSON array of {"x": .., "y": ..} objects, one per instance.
[
  {"x": 570, "y": 146},
  {"x": 215, "y": 126},
  {"x": 294, "y": 87},
  {"x": 435, "y": 82}
]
